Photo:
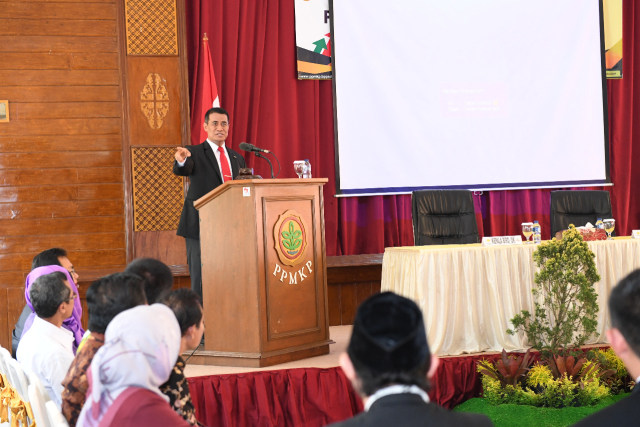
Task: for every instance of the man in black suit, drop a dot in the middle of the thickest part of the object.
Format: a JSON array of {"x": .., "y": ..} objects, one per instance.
[
  {"x": 389, "y": 363},
  {"x": 207, "y": 165},
  {"x": 624, "y": 337}
]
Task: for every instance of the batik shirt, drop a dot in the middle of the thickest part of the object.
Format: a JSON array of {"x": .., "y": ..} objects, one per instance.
[
  {"x": 75, "y": 383},
  {"x": 177, "y": 389}
]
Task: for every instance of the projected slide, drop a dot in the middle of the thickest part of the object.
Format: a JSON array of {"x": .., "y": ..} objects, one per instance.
[{"x": 468, "y": 94}]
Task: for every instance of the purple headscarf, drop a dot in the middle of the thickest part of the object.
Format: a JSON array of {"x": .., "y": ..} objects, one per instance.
[{"x": 73, "y": 323}]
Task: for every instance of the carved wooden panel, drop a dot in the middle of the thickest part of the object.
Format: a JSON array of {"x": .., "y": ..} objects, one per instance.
[
  {"x": 155, "y": 115},
  {"x": 154, "y": 100},
  {"x": 158, "y": 194},
  {"x": 151, "y": 27}
]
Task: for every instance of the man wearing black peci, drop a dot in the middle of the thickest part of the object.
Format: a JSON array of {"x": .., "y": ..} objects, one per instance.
[
  {"x": 207, "y": 165},
  {"x": 389, "y": 363}
]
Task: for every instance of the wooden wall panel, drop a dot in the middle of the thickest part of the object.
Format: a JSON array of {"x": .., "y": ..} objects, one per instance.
[
  {"x": 57, "y": 44},
  {"x": 59, "y": 61},
  {"x": 351, "y": 280},
  {"x": 141, "y": 131},
  {"x": 25, "y": 144},
  {"x": 66, "y": 110},
  {"x": 65, "y": 154},
  {"x": 61, "y": 155},
  {"x": 60, "y": 192},
  {"x": 57, "y": 27},
  {"x": 15, "y": 303},
  {"x": 157, "y": 87},
  {"x": 14, "y": 177},
  {"x": 5, "y": 329},
  {"x": 89, "y": 11},
  {"x": 61, "y": 94},
  {"x": 79, "y": 126},
  {"x": 60, "y": 226},
  {"x": 34, "y": 244},
  {"x": 60, "y": 77},
  {"x": 164, "y": 245}
]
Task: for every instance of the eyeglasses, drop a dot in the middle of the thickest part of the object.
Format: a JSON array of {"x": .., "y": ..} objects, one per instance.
[{"x": 72, "y": 297}]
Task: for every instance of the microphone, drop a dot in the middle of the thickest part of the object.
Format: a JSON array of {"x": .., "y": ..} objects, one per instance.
[{"x": 250, "y": 147}]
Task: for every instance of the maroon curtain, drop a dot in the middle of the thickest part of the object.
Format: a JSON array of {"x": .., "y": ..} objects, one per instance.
[
  {"x": 313, "y": 396},
  {"x": 288, "y": 397},
  {"x": 254, "y": 55}
]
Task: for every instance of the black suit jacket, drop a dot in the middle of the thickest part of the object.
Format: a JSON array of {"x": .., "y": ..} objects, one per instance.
[
  {"x": 204, "y": 175},
  {"x": 623, "y": 412},
  {"x": 410, "y": 410}
]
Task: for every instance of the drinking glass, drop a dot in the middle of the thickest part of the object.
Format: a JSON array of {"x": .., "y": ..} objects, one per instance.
[
  {"x": 527, "y": 230},
  {"x": 609, "y": 226},
  {"x": 299, "y": 166}
]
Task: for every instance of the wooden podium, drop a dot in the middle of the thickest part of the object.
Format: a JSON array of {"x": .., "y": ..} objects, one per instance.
[{"x": 264, "y": 279}]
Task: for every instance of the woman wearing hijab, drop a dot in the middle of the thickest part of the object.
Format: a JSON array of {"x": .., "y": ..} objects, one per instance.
[
  {"x": 73, "y": 323},
  {"x": 140, "y": 350}
]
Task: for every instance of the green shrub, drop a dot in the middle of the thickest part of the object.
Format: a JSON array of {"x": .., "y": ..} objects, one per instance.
[
  {"x": 566, "y": 306},
  {"x": 617, "y": 377},
  {"x": 539, "y": 388}
]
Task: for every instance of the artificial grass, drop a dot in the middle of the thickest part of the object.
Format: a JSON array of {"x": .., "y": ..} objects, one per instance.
[{"x": 508, "y": 415}]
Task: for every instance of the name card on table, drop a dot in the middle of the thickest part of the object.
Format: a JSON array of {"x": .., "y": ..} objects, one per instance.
[
  {"x": 635, "y": 234},
  {"x": 501, "y": 240}
]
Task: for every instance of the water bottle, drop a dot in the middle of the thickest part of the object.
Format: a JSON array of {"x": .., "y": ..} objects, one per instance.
[
  {"x": 537, "y": 234},
  {"x": 307, "y": 169},
  {"x": 600, "y": 224}
]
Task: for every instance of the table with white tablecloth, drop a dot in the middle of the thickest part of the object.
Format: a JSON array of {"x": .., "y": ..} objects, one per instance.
[{"x": 469, "y": 293}]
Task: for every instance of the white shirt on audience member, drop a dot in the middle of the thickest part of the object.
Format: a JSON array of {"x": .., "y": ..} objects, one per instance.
[{"x": 46, "y": 350}]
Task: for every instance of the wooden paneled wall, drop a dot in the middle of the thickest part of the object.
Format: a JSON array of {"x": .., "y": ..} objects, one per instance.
[
  {"x": 351, "y": 279},
  {"x": 65, "y": 177},
  {"x": 61, "y": 175}
]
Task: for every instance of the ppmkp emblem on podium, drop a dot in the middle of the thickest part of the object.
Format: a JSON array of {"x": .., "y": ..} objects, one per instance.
[{"x": 290, "y": 238}]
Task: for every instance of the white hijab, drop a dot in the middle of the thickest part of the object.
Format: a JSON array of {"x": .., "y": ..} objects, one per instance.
[{"x": 140, "y": 350}]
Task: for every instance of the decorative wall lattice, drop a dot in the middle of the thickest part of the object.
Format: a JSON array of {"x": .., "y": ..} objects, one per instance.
[
  {"x": 158, "y": 194},
  {"x": 151, "y": 27}
]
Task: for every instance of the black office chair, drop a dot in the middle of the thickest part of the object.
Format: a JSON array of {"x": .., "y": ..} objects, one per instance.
[
  {"x": 578, "y": 207},
  {"x": 442, "y": 217}
]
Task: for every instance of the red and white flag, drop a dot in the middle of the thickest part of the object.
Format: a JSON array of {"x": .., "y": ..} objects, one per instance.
[{"x": 205, "y": 93}]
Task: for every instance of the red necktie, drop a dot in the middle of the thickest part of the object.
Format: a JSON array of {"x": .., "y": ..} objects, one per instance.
[{"x": 224, "y": 164}]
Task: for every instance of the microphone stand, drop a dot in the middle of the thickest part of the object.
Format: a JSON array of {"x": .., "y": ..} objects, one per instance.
[{"x": 268, "y": 161}]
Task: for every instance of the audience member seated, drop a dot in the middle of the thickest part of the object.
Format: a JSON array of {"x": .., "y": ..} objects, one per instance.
[
  {"x": 46, "y": 348},
  {"x": 106, "y": 297},
  {"x": 185, "y": 304},
  {"x": 389, "y": 363},
  {"x": 624, "y": 337},
  {"x": 53, "y": 256},
  {"x": 140, "y": 350},
  {"x": 74, "y": 322},
  {"x": 157, "y": 277}
]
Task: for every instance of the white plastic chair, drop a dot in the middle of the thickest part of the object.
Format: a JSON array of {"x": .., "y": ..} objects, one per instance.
[
  {"x": 5, "y": 356},
  {"x": 38, "y": 398},
  {"x": 19, "y": 379},
  {"x": 4, "y": 370},
  {"x": 56, "y": 419}
]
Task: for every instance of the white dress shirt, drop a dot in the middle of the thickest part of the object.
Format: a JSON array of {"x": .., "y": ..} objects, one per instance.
[{"x": 46, "y": 350}]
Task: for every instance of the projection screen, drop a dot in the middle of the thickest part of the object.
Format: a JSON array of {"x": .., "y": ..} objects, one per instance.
[{"x": 468, "y": 94}]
